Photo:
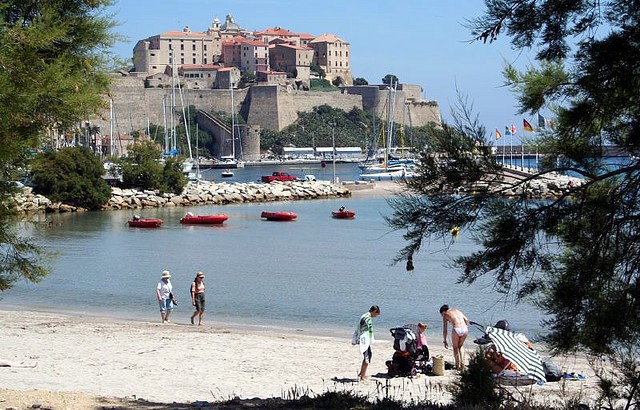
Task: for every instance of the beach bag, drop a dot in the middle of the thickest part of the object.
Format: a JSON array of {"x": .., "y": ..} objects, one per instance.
[
  {"x": 552, "y": 372},
  {"x": 404, "y": 340}
]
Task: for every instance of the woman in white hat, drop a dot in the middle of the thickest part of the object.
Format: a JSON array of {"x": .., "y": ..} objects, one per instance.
[
  {"x": 163, "y": 293},
  {"x": 197, "y": 297}
]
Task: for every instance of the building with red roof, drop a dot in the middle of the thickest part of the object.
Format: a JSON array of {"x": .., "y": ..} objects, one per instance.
[{"x": 229, "y": 45}]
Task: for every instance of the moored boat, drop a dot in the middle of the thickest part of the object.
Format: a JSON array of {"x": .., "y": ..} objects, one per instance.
[
  {"x": 227, "y": 173},
  {"x": 137, "y": 222},
  {"x": 343, "y": 213},
  {"x": 278, "y": 216},
  {"x": 189, "y": 218}
]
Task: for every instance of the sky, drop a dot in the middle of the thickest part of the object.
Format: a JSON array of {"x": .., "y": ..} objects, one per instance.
[{"x": 380, "y": 32}]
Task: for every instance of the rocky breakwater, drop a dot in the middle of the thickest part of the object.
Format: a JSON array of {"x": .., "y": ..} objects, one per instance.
[
  {"x": 551, "y": 186},
  {"x": 211, "y": 193},
  {"x": 27, "y": 202}
]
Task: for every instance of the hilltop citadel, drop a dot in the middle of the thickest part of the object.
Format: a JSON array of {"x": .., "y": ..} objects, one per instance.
[{"x": 209, "y": 66}]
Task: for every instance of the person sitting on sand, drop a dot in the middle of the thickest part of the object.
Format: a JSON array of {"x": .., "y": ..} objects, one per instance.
[
  {"x": 459, "y": 332},
  {"x": 497, "y": 362}
]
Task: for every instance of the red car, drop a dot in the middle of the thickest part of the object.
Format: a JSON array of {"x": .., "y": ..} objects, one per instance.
[{"x": 279, "y": 176}]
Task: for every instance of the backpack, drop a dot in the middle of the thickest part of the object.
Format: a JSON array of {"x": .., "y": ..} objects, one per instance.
[
  {"x": 404, "y": 340},
  {"x": 552, "y": 372}
]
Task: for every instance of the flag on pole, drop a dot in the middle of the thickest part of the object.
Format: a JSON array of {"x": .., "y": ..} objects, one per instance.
[
  {"x": 507, "y": 130},
  {"x": 542, "y": 123},
  {"x": 513, "y": 129},
  {"x": 526, "y": 126},
  {"x": 498, "y": 135}
]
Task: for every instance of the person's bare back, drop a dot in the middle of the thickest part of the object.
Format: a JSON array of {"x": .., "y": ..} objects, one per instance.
[{"x": 456, "y": 318}]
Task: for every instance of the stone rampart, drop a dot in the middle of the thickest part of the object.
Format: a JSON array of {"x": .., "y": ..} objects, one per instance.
[
  {"x": 267, "y": 106},
  {"x": 409, "y": 107},
  {"x": 275, "y": 107}
]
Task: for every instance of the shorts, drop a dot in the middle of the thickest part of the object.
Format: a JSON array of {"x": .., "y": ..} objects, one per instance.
[
  {"x": 199, "y": 299},
  {"x": 367, "y": 355},
  {"x": 165, "y": 304}
]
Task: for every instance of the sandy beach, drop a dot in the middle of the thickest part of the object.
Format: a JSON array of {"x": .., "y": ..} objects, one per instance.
[
  {"x": 83, "y": 360},
  {"x": 88, "y": 362}
]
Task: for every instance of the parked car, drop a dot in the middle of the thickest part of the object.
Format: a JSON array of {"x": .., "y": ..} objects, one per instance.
[{"x": 279, "y": 176}]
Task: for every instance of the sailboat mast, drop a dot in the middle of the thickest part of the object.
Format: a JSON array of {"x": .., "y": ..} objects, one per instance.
[
  {"x": 390, "y": 115},
  {"x": 233, "y": 122},
  {"x": 111, "y": 142},
  {"x": 173, "y": 104},
  {"x": 166, "y": 130},
  {"x": 186, "y": 125}
]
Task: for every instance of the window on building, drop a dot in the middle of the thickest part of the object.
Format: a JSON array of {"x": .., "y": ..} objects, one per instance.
[
  {"x": 193, "y": 47},
  {"x": 205, "y": 47},
  {"x": 194, "y": 60},
  {"x": 153, "y": 54},
  {"x": 181, "y": 46},
  {"x": 204, "y": 61},
  {"x": 182, "y": 61}
]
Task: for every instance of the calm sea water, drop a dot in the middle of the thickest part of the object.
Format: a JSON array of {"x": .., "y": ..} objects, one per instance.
[{"x": 316, "y": 274}]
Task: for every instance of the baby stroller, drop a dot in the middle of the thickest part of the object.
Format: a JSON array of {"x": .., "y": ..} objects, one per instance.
[{"x": 407, "y": 358}]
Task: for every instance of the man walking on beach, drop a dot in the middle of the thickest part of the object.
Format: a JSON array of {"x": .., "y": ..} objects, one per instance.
[
  {"x": 364, "y": 337},
  {"x": 459, "y": 332}
]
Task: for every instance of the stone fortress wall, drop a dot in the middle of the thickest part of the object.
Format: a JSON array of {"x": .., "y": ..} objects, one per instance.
[{"x": 266, "y": 106}]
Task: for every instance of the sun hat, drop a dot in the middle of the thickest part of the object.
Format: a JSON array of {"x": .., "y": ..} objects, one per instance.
[
  {"x": 200, "y": 275},
  {"x": 166, "y": 274}
]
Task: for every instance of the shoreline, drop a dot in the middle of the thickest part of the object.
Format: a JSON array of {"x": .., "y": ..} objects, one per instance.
[{"x": 107, "y": 357}]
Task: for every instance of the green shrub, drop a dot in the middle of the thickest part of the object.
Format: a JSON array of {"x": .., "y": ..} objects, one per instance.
[
  {"x": 72, "y": 176},
  {"x": 141, "y": 168},
  {"x": 476, "y": 386},
  {"x": 172, "y": 176}
]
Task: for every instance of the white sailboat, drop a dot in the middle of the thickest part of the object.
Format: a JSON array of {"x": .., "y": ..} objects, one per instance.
[
  {"x": 234, "y": 160},
  {"x": 388, "y": 169},
  {"x": 171, "y": 139}
]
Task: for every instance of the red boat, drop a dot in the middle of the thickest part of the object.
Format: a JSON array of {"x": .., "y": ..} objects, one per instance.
[
  {"x": 203, "y": 219},
  {"x": 137, "y": 222},
  {"x": 278, "y": 216},
  {"x": 343, "y": 213}
]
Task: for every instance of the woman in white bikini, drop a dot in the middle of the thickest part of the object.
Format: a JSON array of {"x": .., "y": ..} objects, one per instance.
[{"x": 459, "y": 332}]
